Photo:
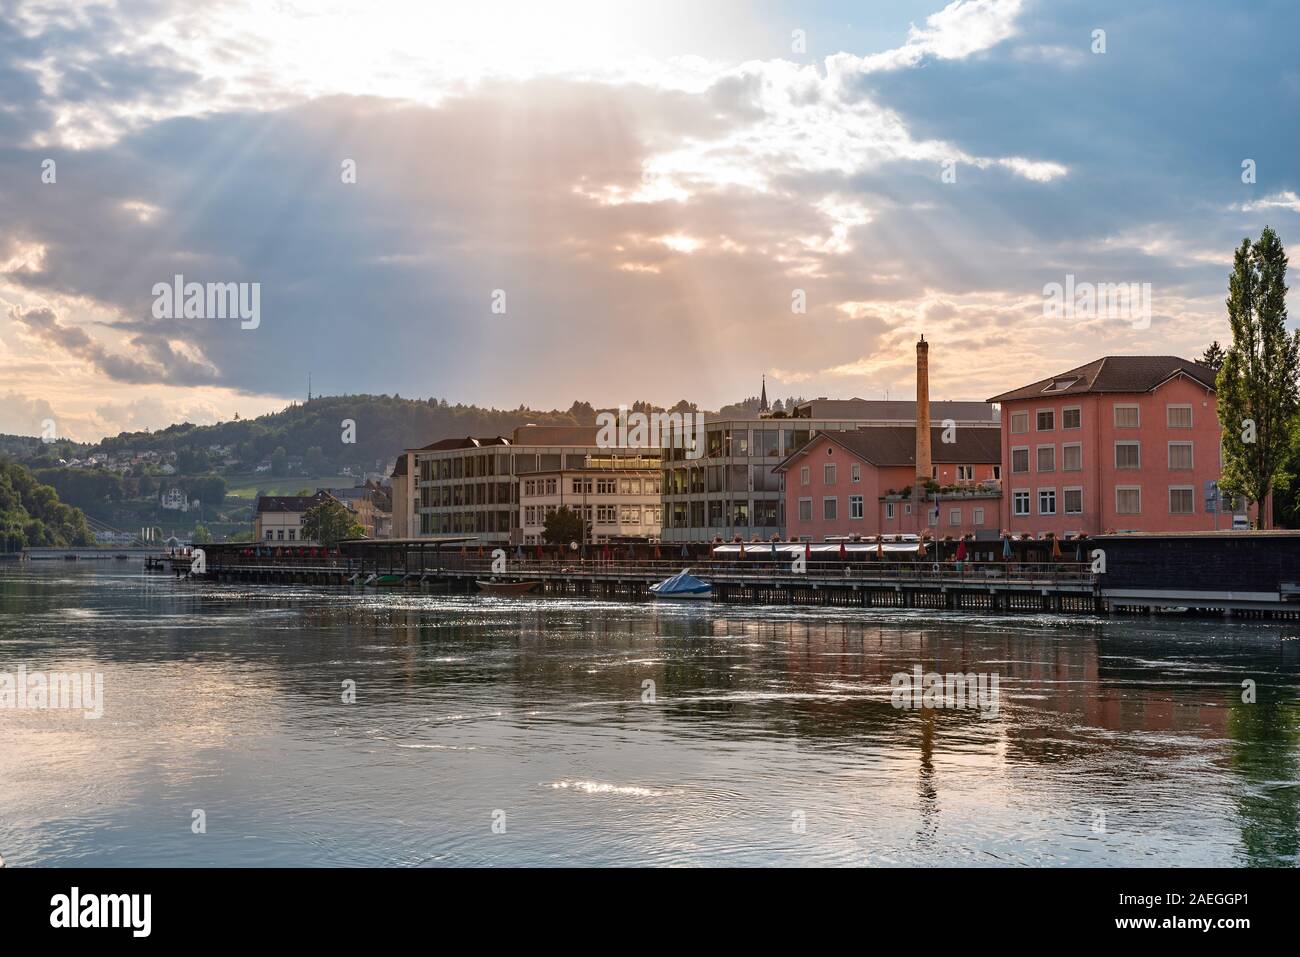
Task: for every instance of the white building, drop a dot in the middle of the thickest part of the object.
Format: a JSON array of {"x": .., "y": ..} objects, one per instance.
[{"x": 618, "y": 498}]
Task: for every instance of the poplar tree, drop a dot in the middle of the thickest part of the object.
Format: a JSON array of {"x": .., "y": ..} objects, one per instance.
[{"x": 1257, "y": 391}]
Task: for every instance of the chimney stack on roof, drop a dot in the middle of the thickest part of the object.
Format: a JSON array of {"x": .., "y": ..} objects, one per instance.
[{"x": 923, "y": 468}]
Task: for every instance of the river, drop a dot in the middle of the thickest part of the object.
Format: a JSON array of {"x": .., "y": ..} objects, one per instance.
[{"x": 542, "y": 731}]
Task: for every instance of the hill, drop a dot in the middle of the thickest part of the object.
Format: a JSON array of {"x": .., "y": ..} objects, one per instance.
[{"x": 31, "y": 513}]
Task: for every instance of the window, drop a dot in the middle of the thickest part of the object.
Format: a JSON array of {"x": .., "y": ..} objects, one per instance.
[
  {"x": 889, "y": 511},
  {"x": 1019, "y": 423},
  {"x": 1180, "y": 456},
  {"x": 954, "y": 517},
  {"x": 1128, "y": 455},
  {"x": 977, "y": 516},
  {"x": 1019, "y": 460},
  {"x": 270, "y": 534},
  {"x": 1128, "y": 500},
  {"x": 805, "y": 510},
  {"x": 855, "y": 472},
  {"x": 293, "y": 533},
  {"x": 1020, "y": 502},
  {"x": 855, "y": 506},
  {"x": 997, "y": 473},
  {"x": 1180, "y": 416},
  {"x": 1046, "y": 420},
  {"x": 805, "y": 476},
  {"x": 1072, "y": 500},
  {"x": 1072, "y": 418},
  {"x": 965, "y": 473},
  {"x": 279, "y": 534},
  {"x": 830, "y": 507},
  {"x": 828, "y": 474},
  {"x": 606, "y": 486},
  {"x": 1126, "y": 417},
  {"x": 932, "y": 516},
  {"x": 1181, "y": 500},
  {"x": 1047, "y": 501},
  {"x": 606, "y": 515},
  {"x": 1072, "y": 457},
  {"x": 1047, "y": 458}
]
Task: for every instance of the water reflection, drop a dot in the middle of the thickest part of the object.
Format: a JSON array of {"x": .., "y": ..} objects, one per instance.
[{"x": 229, "y": 699}]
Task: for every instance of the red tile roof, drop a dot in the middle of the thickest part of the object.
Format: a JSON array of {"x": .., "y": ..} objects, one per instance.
[
  {"x": 885, "y": 446},
  {"x": 1114, "y": 374}
]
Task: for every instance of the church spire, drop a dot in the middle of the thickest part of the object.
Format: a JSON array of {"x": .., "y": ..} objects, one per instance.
[{"x": 762, "y": 399}]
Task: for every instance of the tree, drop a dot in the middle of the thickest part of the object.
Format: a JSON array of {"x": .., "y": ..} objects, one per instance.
[
  {"x": 1257, "y": 390},
  {"x": 562, "y": 526},
  {"x": 330, "y": 523},
  {"x": 1213, "y": 356},
  {"x": 279, "y": 461},
  {"x": 201, "y": 535}
]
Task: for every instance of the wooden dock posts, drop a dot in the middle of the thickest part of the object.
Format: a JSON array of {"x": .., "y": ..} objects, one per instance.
[{"x": 1066, "y": 588}]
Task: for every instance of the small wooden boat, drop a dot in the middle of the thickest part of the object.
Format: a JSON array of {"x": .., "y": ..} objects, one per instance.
[{"x": 506, "y": 588}]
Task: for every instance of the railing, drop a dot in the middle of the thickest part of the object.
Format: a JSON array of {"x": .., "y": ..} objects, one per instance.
[
  {"x": 764, "y": 569},
  {"x": 750, "y": 569}
]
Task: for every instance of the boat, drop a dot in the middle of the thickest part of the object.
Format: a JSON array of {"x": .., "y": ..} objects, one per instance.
[
  {"x": 506, "y": 588},
  {"x": 389, "y": 580},
  {"x": 682, "y": 585}
]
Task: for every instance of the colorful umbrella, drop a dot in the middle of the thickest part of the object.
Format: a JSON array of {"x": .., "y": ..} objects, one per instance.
[
  {"x": 807, "y": 552},
  {"x": 961, "y": 550},
  {"x": 1006, "y": 547},
  {"x": 844, "y": 552},
  {"x": 880, "y": 548},
  {"x": 1056, "y": 548}
]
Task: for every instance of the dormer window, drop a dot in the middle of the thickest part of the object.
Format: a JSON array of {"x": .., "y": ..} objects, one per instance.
[{"x": 1060, "y": 385}]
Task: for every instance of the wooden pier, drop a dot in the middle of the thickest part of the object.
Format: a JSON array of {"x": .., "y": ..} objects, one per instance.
[
  {"x": 1066, "y": 587},
  {"x": 1147, "y": 574}
]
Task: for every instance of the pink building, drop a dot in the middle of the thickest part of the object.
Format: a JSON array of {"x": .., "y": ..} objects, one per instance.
[
  {"x": 1124, "y": 443},
  {"x": 850, "y": 483}
]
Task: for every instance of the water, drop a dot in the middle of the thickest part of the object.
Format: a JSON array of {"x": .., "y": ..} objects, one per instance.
[{"x": 1116, "y": 742}]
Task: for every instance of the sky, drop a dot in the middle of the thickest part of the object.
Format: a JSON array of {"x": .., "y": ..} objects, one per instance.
[{"x": 521, "y": 203}]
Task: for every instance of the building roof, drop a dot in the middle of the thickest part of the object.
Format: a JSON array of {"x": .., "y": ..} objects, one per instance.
[
  {"x": 291, "y": 503},
  {"x": 1114, "y": 374},
  {"x": 468, "y": 442},
  {"x": 901, "y": 410},
  {"x": 885, "y": 446},
  {"x": 558, "y": 435},
  {"x": 400, "y": 467}
]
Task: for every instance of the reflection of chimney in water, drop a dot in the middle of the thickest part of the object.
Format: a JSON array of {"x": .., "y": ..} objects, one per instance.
[{"x": 923, "y": 470}]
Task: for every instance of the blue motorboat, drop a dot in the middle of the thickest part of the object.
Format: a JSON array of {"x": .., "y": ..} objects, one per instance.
[{"x": 682, "y": 585}]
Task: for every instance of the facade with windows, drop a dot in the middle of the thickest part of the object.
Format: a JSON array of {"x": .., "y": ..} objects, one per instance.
[
  {"x": 1125, "y": 443},
  {"x": 459, "y": 487},
  {"x": 733, "y": 490},
  {"x": 278, "y": 518},
  {"x": 618, "y": 497},
  {"x": 859, "y": 482}
]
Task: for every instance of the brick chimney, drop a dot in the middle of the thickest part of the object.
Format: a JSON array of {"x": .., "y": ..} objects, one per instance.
[{"x": 923, "y": 468}]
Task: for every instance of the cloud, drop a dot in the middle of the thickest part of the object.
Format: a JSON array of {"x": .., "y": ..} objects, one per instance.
[
  {"x": 962, "y": 28},
  {"x": 169, "y": 364},
  {"x": 1287, "y": 199}
]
